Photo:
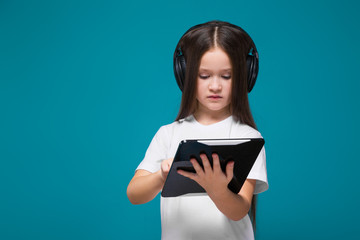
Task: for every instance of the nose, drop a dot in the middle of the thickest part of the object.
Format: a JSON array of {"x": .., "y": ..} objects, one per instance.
[{"x": 215, "y": 84}]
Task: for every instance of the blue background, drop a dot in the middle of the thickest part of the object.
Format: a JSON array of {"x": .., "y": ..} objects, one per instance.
[{"x": 84, "y": 86}]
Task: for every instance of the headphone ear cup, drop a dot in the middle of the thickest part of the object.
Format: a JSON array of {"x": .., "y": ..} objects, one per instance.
[
  {"x": 252, "y": 71},
  {"x": 179, "y": 70}
]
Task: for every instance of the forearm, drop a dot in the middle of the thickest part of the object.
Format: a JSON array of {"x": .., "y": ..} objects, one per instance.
[
  {"x": 233, "y": 206},
  {"x": 144, "y": 188}
]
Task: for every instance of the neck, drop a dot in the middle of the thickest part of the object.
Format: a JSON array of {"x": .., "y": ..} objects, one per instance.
[{"x": 208, "y": 117}]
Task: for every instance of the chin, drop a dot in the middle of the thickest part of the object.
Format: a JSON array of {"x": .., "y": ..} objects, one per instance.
[{"x": 219, "y": 109}]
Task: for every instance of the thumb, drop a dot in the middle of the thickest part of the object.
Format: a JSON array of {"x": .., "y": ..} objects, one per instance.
[{"x": 230, "y": 170}]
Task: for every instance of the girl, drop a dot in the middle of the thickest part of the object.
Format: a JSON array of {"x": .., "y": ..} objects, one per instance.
[{"x": 215, "y": 65}]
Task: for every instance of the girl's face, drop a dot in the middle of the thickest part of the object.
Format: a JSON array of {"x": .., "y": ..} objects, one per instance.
[{"x": 214, "y": 82}]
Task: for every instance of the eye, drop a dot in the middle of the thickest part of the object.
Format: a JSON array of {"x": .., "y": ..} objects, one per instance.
[
  {"x": 203, "y": 76},
  {"x": 227, "y": 77}
]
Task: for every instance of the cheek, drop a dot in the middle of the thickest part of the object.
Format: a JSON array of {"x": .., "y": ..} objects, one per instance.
[
  {"x": 228, "y": 89},
  {"x": 201, "y": 88},
  {"x": 198, "y": 94}
]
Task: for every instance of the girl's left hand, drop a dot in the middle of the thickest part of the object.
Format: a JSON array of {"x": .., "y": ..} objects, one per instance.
[{"x": 212, "y": 179}]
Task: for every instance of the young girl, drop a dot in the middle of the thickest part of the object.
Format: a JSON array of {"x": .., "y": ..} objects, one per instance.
[{"x": 215, "y": 65}]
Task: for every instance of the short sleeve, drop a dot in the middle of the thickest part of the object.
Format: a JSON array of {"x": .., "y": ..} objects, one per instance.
[
  {"x": 259, "y": 173},
  {"x": 156, "y": 151}
]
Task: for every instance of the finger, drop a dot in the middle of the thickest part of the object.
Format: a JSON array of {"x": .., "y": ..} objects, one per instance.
[
  {"x": 164, "y": 170},
  {"x": 198, "y": 169},
  {"x": 216, "y": 163},
  {"x": 170, "y": 160},
  {"x": 187, "y": 174},
  {"x": 206, "y": 163},
  {"x": 165, "y": 166},
  {"x": 230, "y": 170}
]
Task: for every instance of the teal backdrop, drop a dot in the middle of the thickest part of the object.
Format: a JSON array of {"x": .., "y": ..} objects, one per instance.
[{"x": 84, "y": 86}]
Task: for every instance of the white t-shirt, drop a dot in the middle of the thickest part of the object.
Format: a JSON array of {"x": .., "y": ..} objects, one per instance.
[{"x": 195, "y": 216}]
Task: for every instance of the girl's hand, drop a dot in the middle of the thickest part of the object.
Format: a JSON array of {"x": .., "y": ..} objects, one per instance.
[
  {"x": 212, "y": 179},
  {"x": 165, "y": 167}
]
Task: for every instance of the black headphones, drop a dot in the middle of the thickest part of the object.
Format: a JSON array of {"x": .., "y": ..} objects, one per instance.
[{"x": 252, "y": 59}]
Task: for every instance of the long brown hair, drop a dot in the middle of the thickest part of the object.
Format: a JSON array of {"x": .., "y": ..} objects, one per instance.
[{"x": 237, "y": 45}]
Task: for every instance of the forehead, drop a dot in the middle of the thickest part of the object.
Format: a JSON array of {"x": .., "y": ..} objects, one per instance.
[{"x": 215, "y": 59}]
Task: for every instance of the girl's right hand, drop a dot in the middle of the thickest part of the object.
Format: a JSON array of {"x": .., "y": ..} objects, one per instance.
[
  {"x": 145, "y": 185},
  {"x": 165, "y": 167}
]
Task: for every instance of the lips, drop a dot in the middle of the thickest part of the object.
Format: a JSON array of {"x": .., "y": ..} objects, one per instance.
[{"x": 214, "y": 97}]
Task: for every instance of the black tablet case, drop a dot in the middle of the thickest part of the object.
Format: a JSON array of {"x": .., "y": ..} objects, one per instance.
[{"x": 243, "y": 154}]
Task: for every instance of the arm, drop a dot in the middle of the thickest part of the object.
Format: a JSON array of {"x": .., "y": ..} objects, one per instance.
[
  {"x": 144, "y": 186},
  {"x": 235, "y": 206},
  {"x": 214, "y": 181}
]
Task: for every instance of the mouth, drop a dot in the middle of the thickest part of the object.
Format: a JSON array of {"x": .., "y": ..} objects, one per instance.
[{"x": 214, "y": 97}]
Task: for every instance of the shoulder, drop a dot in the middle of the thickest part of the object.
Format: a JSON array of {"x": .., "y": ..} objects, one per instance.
[
  {"x": 169, "y": 129},
  {"x": 175, "y": 125},
  {"x": 244, "y": 131}
]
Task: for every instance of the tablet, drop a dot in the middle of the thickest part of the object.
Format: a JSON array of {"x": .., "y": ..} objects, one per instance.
[{"x": 243, "y": 151}]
